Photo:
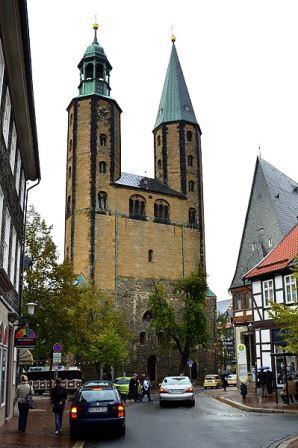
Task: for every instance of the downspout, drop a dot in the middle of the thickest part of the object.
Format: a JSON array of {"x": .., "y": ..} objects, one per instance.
[{"x": 23, "y": 250}]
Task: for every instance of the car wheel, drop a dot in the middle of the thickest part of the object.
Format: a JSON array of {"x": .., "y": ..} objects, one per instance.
[
  {"x": 121, "y": 430},
  {"x": 192, "y": 403},
  {"x": 161, "y": 404},
  {"x": 74, "y": 431},
  {"x": 205, "y": 387}
]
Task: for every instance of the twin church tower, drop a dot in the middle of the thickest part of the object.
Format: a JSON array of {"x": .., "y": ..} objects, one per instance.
[{"x": 126, "y": 232}]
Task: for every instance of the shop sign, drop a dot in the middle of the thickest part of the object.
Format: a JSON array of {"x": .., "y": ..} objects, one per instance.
[{"x": 24, "y": 338}]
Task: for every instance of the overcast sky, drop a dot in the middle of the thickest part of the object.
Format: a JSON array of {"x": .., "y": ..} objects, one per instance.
[{"x": 240, "y": 62}]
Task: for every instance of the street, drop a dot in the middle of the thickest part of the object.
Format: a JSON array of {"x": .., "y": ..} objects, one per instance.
[{"x": 210, "y": 424}]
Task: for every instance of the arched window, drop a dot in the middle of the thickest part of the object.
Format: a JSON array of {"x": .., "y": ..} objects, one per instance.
[
  {"x": 189, "y": 136},
  {"x": 69, "y": 172},
  {"x": 89, "y": 71},
  {"x": 159, "y": 164},
  {"x": 102, "y": 200},
  {"x": 99, "y": 71},
  {"x": 142, "y": 338},
  {"x": 158, "y": 140},
  {"x": 147, "y": 316},
  {"x": 103, "y": 139},
  {"x": 192, "y": 217},
  {"x": 239, "y": 301},
  {"x": 191, "y": 185},
  {"x": 150, "y": 256},
  {"x": 68, "y": 205},
  {"x": 70, "y": 145},
  {"x": 137, "y": 207},
  {"x": 161, "y": 211},
  {"x": 190, "y": 160},
  {"x": 102, "y": 167}
]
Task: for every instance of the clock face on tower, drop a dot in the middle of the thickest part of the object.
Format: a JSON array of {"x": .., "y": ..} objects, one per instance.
[{"x": 103, "y": 112}]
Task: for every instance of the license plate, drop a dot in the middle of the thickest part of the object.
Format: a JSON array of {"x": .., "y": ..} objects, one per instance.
[
  {"x": 177, "y": 391},
  {"x": 102, "y": 409}
]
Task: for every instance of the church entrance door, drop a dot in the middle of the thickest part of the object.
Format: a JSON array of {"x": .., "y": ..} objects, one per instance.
[{"x": 151, "y": 367}]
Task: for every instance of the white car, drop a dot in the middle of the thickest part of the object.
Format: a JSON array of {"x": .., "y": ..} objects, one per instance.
[
  {"x": 176, "y": 388},
  {"x": 232, "y": 379}
]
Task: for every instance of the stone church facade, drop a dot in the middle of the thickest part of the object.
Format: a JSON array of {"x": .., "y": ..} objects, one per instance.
[{"x": 126, "y": 232}]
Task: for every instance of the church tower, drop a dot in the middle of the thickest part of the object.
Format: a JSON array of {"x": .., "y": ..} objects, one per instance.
[
  {"x": 93, "y": 156},
  {"x": 177, "y": 144}
]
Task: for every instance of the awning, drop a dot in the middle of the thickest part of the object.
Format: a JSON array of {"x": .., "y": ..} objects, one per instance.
[{"x": 26, "y": 357}]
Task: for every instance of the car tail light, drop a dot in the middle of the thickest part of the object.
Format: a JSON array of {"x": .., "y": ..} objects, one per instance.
[
  {"x": 121, "y": 410},
  {"x": 73, "y": 412},
  {"x": 190, "y": 389},
  {"x": 162, "y": 390}
]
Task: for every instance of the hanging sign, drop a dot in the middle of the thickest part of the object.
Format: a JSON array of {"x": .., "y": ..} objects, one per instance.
[
  {"x": 24, "y": 338},
  {"x": 241, "y": 363}
]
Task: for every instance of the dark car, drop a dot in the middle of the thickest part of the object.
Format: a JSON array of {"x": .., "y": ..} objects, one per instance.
[{"x": 97, "y": 406}]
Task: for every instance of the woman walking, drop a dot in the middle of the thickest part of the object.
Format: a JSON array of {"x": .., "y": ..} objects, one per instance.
[
  {"x": 58, "y": 398},
  {"x": 23, "y": 395}
]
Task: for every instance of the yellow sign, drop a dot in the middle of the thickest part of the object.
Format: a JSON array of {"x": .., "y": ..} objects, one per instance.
[{"x": 241, "y": 363}]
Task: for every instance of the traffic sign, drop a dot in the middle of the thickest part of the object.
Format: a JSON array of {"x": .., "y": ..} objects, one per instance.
[
  {"x": 190, "y": 363},
  {"x": 56, "y": 358},
  {"x": 57, "y": 348}
]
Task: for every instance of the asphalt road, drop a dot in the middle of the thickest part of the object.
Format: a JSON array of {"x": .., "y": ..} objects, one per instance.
[{"x": 210, "y": 424}]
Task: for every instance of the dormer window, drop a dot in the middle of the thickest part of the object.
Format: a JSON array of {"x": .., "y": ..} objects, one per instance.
[
  {"x": 102, "y": 200},
  {"x": 161, "y": 211},
  {"x": 137, "y": 207}
]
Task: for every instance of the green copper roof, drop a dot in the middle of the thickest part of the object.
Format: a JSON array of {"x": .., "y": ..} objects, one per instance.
[
  {"x": 94, "y": 49},
  {"x": 210, "y": 293},
  {"x": 175, "y": 103}
]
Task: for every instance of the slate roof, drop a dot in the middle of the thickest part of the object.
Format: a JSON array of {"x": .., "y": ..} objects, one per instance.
[
  {"x": 175, "y": 103},
  {"x": 146, "y": 183},
  {"x": 279, "y": 258},
  {"x": 284, "y": 195},
  {"x": 273, "y": 207},
  {"x": 223, "y": 306}
]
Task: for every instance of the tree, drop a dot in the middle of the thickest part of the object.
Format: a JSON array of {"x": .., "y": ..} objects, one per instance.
[
  {"x": 225, "y": 340},
  {"x": 287, "y": 318},
  {"x": 187, "y": 324},
  {"x": 81, "y": 318}
]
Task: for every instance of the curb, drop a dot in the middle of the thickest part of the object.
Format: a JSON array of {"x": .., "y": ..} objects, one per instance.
[
  {"x": 287, "y": 442},
  {"x": 235, "y": 404}
]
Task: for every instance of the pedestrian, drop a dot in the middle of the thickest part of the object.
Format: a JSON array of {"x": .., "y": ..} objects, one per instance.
[
  {"x": 225, "y": 383},
  {"x": 262, "y": 381},
  {"x": 23, "y": 397},
  {"x": 133, "y": 388},
  {"x": 146, "y": 388},
  {"x": 269, "y": 381},
  {"x": 58, "y": 399},
  {"x": 243, "y": 390},
  {"x": 291, "y": 391}
]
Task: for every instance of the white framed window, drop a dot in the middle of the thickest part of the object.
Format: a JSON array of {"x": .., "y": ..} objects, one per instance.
[
  {"x": 23, "y": 186},
  {"x": 291, "y": 289},
  {"x": 268, "y": 292},
  {"x": 13, "y": 147},
  {"x": 270, "y": 242},
  {"x": 12, "y": 261},
  {"x": 18, "y": 256},
  {"x": 6, "y": 241},
  {"x": 2, "y": 67},
  {"x": 18, "y": 172},
  {"x": 1, "y": 209},
  {"x": 6, "y": 117}
]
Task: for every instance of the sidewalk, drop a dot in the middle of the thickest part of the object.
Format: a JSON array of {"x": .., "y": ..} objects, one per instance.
[
  {"x": 254, "y": 402},
  {"x": 39, "y": 432}
]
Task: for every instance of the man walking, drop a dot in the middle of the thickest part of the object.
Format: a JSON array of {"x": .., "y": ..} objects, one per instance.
[
  {"x": 146, "y": 388},
  {"x": 58, "y": 398}
]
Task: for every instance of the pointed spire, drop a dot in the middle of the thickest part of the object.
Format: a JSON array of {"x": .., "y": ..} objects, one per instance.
[
  {"x": 175, "y": 103},
  {"x": 95, "y": 26}
]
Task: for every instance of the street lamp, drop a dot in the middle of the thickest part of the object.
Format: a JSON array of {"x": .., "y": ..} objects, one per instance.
[{"x": 31, "y": 308}]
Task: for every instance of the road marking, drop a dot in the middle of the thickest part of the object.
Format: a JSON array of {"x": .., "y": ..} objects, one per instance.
[{"x": 79, "y": 444}]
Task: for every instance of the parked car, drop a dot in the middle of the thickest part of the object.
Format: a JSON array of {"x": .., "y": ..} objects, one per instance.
[
  {"x": 122, "y": 385},
  {"x": 176, "y": 388},
  {"x": 96, "y": 406},
  {"x": 232, "y": 379},
  {"x": 212, "y": 380}
]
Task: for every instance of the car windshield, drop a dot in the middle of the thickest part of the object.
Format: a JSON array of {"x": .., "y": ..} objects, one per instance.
[
  {"x": 176, "y": 380},
  {"x": 97, "y": 395},
  {"x": 211, "y": 377},
  {"x": 121, "y": 381}
]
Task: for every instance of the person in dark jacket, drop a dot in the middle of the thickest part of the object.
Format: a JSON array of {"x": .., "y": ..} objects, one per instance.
[
  {"x": 262, "y": 381},
  {"x": 243, "y": 390},
  {"x": 225, "y": 383},
  {"x": 269, "y": 381},
  {"x": 133, "y": 388},
  {"x": 58, "y": 399}
]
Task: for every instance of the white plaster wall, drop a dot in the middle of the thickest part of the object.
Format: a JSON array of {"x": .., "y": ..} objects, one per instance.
[
  {"x": 258, "y": 299},
  {"x": 256, "y": 287},
  {"x": 265, "y": 336},
  {"x": 279, "y": 297},
  {"x": 278, "y": 282}
]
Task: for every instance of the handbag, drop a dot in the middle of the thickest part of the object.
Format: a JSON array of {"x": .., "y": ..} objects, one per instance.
[{"x": 29, "y": 400}]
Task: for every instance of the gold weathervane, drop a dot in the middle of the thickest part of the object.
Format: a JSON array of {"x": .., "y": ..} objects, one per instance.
[{"x": 173, "y": 37}]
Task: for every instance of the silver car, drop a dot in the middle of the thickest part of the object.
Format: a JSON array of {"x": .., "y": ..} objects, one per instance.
[{"x": 176, "y": 388}]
